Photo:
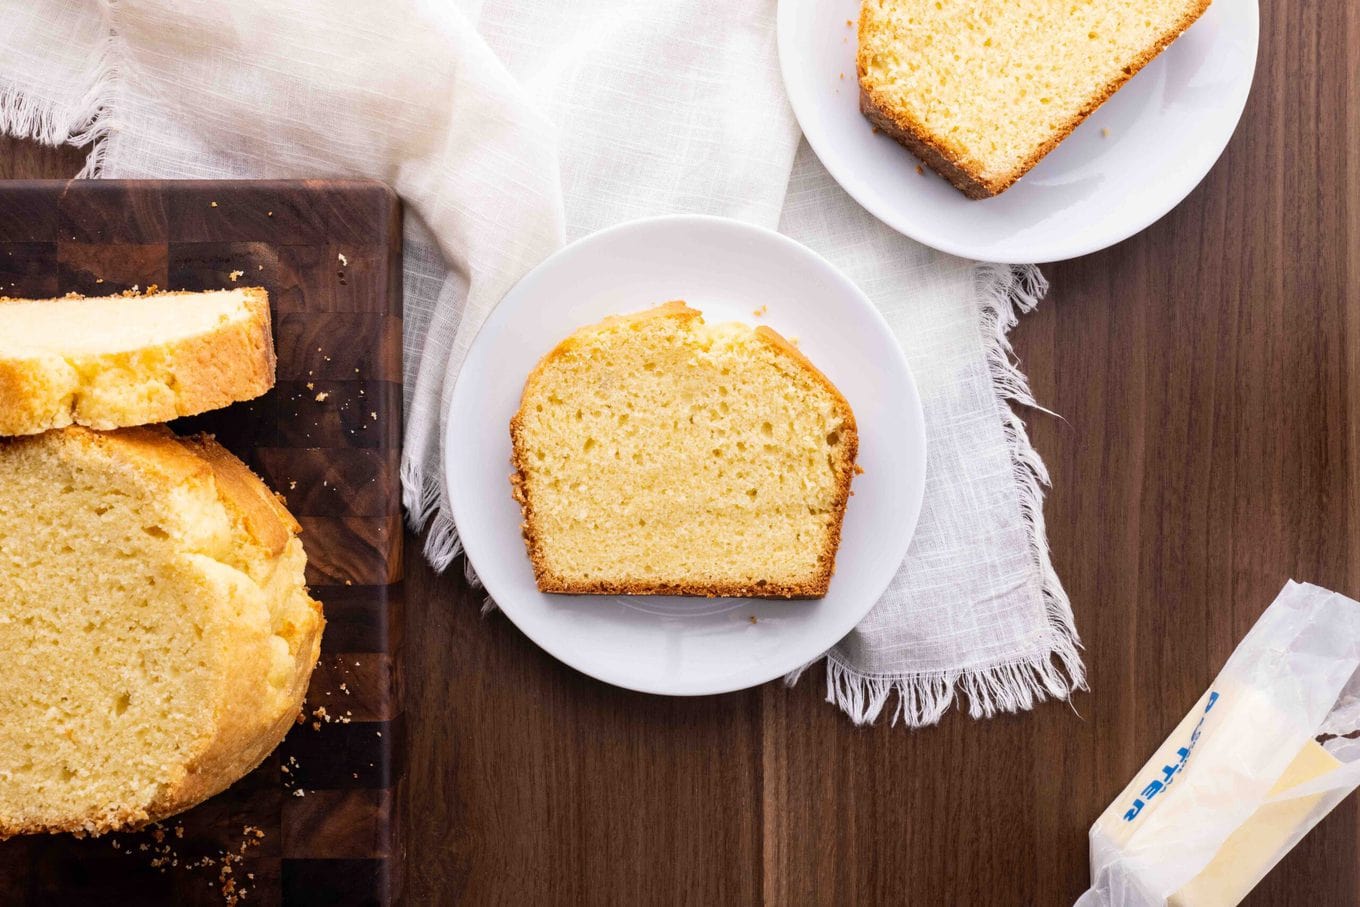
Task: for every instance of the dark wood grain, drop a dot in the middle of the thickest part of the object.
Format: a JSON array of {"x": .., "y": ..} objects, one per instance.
[
  {"x": 1209, "y": 374},
  {"x": 326, "y": 803}
]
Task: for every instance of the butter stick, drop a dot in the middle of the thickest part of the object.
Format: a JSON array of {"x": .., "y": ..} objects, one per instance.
[{"x": 1250, "y": 851}]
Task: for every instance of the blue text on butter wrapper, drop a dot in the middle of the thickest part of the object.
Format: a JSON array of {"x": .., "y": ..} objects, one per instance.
[{"x": 1169, "y": 772}]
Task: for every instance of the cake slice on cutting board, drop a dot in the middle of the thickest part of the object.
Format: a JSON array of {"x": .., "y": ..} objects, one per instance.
[
  {"x": 155, "y": 627},
  {"x": 113, "y": 361}
]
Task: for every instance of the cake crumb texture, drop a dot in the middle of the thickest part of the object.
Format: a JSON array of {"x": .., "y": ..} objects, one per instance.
[
  {"x": 982, "y": 91},
  {"x": 657, "y": 454},
  {"x": 154, "y": 622},
  {"x": 113, "y": 361}
]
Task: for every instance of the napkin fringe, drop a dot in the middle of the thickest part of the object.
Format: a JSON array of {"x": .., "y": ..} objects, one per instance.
[
  {"x": 420, "y": 497},
  {"x": 442, "y": 544},
  {"x": 1006, "y": 291},
  {"x": 88, "y": 124},
  {"x": 923, "y": 699},
  {"x": 1009, "y": 291}
]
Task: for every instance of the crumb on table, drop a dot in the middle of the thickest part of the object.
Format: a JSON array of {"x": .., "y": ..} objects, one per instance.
[{"x": 235, "y": 275}]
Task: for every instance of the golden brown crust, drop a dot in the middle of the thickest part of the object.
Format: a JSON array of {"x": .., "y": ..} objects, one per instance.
[
  {"x": 817, "y": 587},
  {"x": 215, "y": 369},
  {"x": 949, "y": 163},
  {"x": 899, "y": 127},
  {"x": 676, "y": 308},
  {"x": 263, "y": 516},
  {"x": 242, "y": 735}
]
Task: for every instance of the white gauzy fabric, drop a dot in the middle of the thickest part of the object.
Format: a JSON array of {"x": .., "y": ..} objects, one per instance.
[{"x": 510, "y": 126}]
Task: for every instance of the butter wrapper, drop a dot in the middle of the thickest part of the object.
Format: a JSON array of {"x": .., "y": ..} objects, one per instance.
[{"x": 1254, "y": 765}]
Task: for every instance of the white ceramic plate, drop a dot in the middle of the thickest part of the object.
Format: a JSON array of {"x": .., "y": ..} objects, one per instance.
[
  {"x": 727, "y": 269},
  {"x": 1166, "y": 127}
]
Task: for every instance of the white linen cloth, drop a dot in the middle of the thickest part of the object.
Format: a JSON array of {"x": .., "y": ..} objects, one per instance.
[{"x": 512, "y": 126}]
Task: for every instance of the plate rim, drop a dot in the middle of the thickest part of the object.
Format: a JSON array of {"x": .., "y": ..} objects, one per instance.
[
  {"x": 1069, "y": 249},
  {"x": 913, "y": 415}
]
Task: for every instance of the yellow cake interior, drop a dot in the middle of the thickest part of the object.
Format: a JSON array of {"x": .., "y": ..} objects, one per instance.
[
  {"x": 658, "y": 453},
  {"x": 154, "y": 648},
  {"x": 113, "y": 324},
  {"x": 992, "y": 83}
]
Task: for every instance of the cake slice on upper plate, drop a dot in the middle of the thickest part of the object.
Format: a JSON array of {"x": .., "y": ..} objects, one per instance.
[{"x": 982, "y": 91}]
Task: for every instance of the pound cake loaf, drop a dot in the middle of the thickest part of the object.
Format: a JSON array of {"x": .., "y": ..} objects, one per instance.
[
  {"x": 657, "y": 454},
  {"x": 982, "y": 91},
  {"x": 156, "y": 633},
  {"x": 113, "y": 361}
]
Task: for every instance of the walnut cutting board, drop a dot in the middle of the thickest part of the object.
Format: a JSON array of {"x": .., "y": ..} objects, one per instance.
[{"x": 317, "y": 823}]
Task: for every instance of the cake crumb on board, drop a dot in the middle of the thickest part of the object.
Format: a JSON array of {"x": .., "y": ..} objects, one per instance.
[{"x": 226, "y": 859}]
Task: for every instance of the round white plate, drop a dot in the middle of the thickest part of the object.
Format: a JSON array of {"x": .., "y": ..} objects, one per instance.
[
  {"x": 1129, "y": 163},
  {"x": 726, "y": 269}
]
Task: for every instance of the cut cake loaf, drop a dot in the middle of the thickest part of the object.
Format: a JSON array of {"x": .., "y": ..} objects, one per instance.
[
  {"x": 656, "y": 454},
  {"x": 156, "y": 633},
  {"x": 982, "y": 91},
  {"x": 113, "y": 361}
]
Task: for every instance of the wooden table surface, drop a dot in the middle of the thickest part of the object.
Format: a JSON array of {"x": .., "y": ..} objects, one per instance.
[{"x": 1208, "y": 373}]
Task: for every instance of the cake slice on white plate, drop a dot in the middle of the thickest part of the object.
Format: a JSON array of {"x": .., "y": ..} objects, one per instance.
[
  {"x": 982, "y": 91},
  {"x": 657, "y": 454}
]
